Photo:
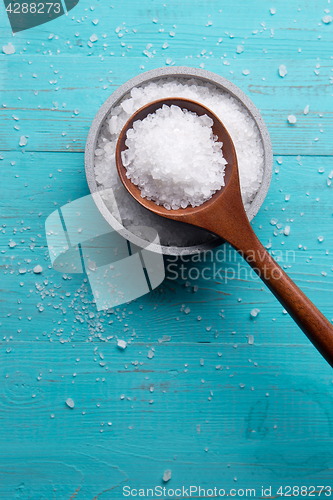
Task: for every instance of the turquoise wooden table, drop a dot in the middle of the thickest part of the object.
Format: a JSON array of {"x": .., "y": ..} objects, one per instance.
[{"x": 227, "y": 401}]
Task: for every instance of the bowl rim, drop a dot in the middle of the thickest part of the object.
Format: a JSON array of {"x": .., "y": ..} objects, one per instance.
[{"x": 178, "y": 72}]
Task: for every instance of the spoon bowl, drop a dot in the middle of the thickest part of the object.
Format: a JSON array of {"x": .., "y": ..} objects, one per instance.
[
  {"x": 219, "y": 130},
  {"x": 224, "y": 215}
]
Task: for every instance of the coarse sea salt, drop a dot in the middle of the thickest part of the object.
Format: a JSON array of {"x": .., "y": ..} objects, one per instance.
[
  {"x": 174, "y": 158},
  {"x": 292, "y": 119},
  {"x": 235, "y": 117},
  {"x": 8, "y": 49},
  {"x": 282, "y": 70}
]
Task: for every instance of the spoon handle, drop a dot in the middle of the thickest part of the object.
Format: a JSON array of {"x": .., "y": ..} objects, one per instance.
[{"x": 313, "y": 323}]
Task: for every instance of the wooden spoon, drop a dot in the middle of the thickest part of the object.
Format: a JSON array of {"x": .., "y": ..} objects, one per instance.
[{"x": 224, "y": 215}]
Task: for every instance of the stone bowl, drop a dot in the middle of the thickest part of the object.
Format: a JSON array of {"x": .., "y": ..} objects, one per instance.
[{"x": 153, "y": 75}]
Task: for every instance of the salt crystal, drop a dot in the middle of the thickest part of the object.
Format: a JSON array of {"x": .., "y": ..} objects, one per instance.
[
  {"x": 250, "y": 339},
  {"x": 22, "y": 271},
  {"x": 23, "y": 141},
  {"x": 187, "y": 310},
  {"x": 239, "y": 49},
  {"x": 241, "y": 385},
  {"x": 306, "y": 109},
  {"x": 9, "y": 49},
  {"x": 38, "y": 269},
  {"x": 165, "y": 45},
  {"x": 254, "y": 313},
  {"x": 167, "y": 476},
  {"x": 70, "y": 403},
  {"x": 246, "y": 72},
  {"x": 327, "y": 19},
  {"x": 287, "y": 197},
  {"x": 150, "y": 354},
  {"x": 320, "y": 238},
  {"x": 272, "y": 11},
  {"x": 121, "y": 344},
  {"x": 282, "y": 70},
  {"x": 93, "y": 38},
  {"x": 168, "y": 60},
  {"x": 95, "y": 21},
  {"x": 286, "y": 231},
  {"x": 292, "y": 119},
  {"x": 113, "y": 126}
]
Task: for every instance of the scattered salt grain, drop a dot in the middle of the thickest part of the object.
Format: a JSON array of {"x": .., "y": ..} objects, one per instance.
[
  {"x": 306, "y": 109},
  {"x": 165, "y": 154},
  {"x": 9, "y": 49},
  {"x": 93, "y": 38},
  {"x": 320, "y": 238},
  {"x": 246, "y": 72},
  {"x": 150, "y": 354},
  {"x": 70, "y": 403},
  {"x": 254, "y": 313},
  {"x": 251, "y": 339},
  {"x": 121, "y": 344},
  {"x": 282, "y": 70},
  {"x": 38, "y": 269},
  {"x": 327, "y": 19},
  {"x": 239, "y": 49},
  {"x": 167, "y": 476},
  {"x": 292, "y": 119},
  {"x": 286, "y": 231},
  {"x": 272, "y": 11},
  {"x": 23, "y": 141},
  {"x": 95, "y": 21}
]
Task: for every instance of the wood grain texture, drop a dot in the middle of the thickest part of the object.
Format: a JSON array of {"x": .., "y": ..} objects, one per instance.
[{"x": 280, "y": 433}]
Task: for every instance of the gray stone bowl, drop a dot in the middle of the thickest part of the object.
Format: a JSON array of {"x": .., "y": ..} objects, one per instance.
[{"x": 178, "y": 72}]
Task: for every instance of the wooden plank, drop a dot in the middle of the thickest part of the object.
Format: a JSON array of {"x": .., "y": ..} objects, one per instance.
[
  {"x": 49, "y": 121},
  {"x": 304, "y": 257},
  {"x": 67, "y": 450}
]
